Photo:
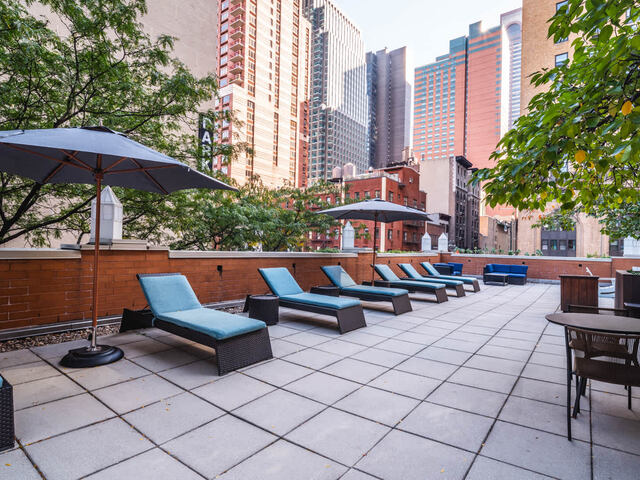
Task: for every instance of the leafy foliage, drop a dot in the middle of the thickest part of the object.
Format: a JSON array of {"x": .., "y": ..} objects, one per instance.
[
  {"x": 578, "y": 147},
  {"x": 101, "y": 69}
]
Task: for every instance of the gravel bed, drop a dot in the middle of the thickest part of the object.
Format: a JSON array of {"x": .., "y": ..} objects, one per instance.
[{"x": 70, "y": 335}]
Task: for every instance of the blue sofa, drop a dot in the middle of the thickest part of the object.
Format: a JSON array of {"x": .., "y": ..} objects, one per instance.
[
  {"x": 517, "y": 273},
  {"x": 449, "y": 268}
]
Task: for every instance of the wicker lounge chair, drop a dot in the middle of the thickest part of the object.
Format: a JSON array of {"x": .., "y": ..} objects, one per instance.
[
  {"x": 237, "y": 340},
  {"x": 6, "y": 415},
  {"x": 413, "y": 274},
  {"x": 399, "y": 298},
  {"x": 348, "y": 312},
  {"x": 431, "y": 270},
  {"x": 437, "y": 289}
]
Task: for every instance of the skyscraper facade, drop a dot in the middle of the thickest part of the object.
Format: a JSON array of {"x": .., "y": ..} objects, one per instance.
[
  {"x": 338, "y": 98},
  {"x": 390, "y": 94},
  {"x": 263, "y": 48},
  {"x": 511, "y": 26}
]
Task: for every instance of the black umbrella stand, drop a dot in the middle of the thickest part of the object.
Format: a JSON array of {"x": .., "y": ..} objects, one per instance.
[{"x": 94, "y": 355}]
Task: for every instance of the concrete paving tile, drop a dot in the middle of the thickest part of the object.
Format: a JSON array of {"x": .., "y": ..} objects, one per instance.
[
  {"x": 384, "y": 358},
  {"x": 378, "y": 405},
  {"x": 14, "y": 464},
  {"x": 612, "y": 404},
  {"x": 151, "y": 465},
  {"x": 546, "y": 374},
  {"x": 497, "y": 382},
  {"x": 611, "y": 464},
  {"x": 400, "y": 346},
  {"x": 164, "y": 360},
  {"x": 427, "y": 368},
  {"x": 322, "y": 387},
  {"x": 17, "y": 357},
  {"x": 404, "y": 383},
  {"x": 541, "y": 452},
  {"x": 545, "y": 392},
  {"x": 28, "y": 372},
  {"x": 99, "y": 377},
  {"x": 56, "y": 351},
  {"x": 278, "y": 372},
  {"x": 173, "y": 416},
  {"x": 503, "y": 352},
  {"x": 484, "y": 468},
  {"x": 219, "y": 445},
  {"x": 280, "y": 331},
  {"x": 233, "y": 390},
  {"x": 616, "y": 432},
  {"x": 60, "y": 416},
  {"x": 361, "y": 338},
  {"x": 283, "y": 460},
  {"x": 355, "y": 370},
  {"x": 338, "y": 347},
  {"x": 127, "y": 396},
  {"x": 307, "y": 339},
  {"x": 192, "y": 375},
  {"x": 279, "y": 411},
  {"x": 42, "y": 391},
  {"x": 460, "y": 345},
  {"x": 312, "y": 358},
  {"x": 338, "y": 435},
  {"x": 403, "y": 456},
  {"x": 493, "y": 364},
  {"x": 143, "y": 347},
  {"x": 354, "y": 474},
  {"x": 454, "y": 357},
  {"x": 475, "y": 400},
  {"x": 81, "y": 452},
  {"x": 447, "y": 425},
  {"x": 281, "y": 348}
]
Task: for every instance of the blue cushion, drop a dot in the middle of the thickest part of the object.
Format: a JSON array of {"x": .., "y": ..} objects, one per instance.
[
  {"x": 322, "y": 300},
  {"x": 489, "y": 268},
  {"x": 410, "y": 270},
  {"x": 280, "y": 281},
  {"x": 168, "y": 293},
  {"x": 217, "y": 324},
  {"x": 522, "y": 269},
  {"x": 520, "y": 275},
  {"x": 431, "y": 270},
  {"x": 390, "y": 292},
  {"x": 457, "y": 267},
  {"x": 338, "y": 276},
  {"x": 418, "y": 283},
  {"x": 385, "y": 272}
]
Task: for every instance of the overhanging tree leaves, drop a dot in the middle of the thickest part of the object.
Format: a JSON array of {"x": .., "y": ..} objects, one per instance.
[
  {"x": 101, "y": 69},
  {"x": 578, "y": 147}
]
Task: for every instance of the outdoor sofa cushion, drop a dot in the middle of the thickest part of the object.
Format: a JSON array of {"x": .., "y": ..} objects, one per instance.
[
  {"x": 456, "y": 267},
  {"x": 432, "y": 271},
  {"x": 519, "y": 270},
  {"x": 217, "y": 324},
  {"x": 341, "y": 279},
  {"x": 414, "y": 274},
  {"x": 280, "y": 281},
  {"x": 172, "y": 299},
  {"x": 322, "y": 300}
]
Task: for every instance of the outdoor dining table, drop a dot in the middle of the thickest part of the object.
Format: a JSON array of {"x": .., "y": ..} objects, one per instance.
[{"x": 597, "y": 322}]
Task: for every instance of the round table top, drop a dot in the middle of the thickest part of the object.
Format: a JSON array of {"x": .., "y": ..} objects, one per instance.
[
  {"x": 597, "y": 322},
  {"x": 264, "y": 297}
]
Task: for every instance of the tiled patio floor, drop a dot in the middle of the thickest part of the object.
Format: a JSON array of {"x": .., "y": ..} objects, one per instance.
[{"x": 472, "y": 388}]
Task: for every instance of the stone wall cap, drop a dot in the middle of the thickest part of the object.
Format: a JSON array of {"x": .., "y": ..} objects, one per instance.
[
  {"x": 250, "y": 254},
  {"x": 37, "y": 254},
  {"x": 531, "y": 257}
]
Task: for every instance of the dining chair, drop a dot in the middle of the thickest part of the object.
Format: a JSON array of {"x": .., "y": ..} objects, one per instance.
[{"x": 605, "y": 357}]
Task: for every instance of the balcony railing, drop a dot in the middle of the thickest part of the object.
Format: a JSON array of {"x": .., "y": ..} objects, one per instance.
[
  {"x": 236, "y": 67},
  {"x": 236, "y": 45},
  {"x": 237, "y": 21},
  {"x": 237, "y": 79},
  {"x": 236, "y": 33}
]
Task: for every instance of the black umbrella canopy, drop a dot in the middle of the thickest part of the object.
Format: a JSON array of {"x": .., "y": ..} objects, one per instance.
[
  {"x": 375, "y": 210},
  {"x": 76, "y": 155}
]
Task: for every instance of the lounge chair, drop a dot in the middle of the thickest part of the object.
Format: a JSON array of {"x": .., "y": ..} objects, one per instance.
[
  {"x": 438, "y": 289},
  {"x": 430, "y": 269},
  {"x": 398, "y": 297},
  {"x": 6, "y": 416},
  {"x": 413, "y": 274},
  {"x": 348, "y": 312},
  {"x": 238, "y": 341}
]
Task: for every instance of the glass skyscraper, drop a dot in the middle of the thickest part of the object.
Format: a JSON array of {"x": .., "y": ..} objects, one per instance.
[{"x": 338, "y": 96}]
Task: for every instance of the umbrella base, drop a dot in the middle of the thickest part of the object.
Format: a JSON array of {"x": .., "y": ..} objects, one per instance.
[{"x": 85, "y": 357}]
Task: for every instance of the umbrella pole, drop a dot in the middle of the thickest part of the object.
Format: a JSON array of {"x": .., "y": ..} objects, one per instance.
[
  {"x": 373, "y": 265},
  {"x": 94, "y": 355}
]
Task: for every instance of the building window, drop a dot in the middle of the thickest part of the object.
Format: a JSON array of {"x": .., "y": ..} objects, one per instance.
[
  {"x": 356, "y": 195},
  {"x": 559, "y": 5},
  {"x": 561, "y": 59},
  {"x": 390, "y": 234},
  {"x": 377, "y": 193},
  {"x": 367, "y": 195},
  {"x": 390, "y": 196}
]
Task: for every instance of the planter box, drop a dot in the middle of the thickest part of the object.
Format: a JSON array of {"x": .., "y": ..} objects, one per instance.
[
  {"x": 627, "y": 288},
  {"x": 6, "y": 416},
  {"x": 578, "y": 290}
]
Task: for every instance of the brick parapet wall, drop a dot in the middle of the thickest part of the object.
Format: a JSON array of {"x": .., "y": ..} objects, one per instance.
[{"x": 40, "y": 287}]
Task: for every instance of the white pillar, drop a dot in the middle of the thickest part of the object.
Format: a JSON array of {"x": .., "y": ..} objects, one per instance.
[
  {"x": 443, "y": 243},
  {"x": 426, "y": 242},
  {"x": 111, "y": 217},
  {"x": 348, "y": 237}
]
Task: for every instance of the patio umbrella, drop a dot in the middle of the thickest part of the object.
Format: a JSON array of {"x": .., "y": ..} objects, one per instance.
[
  {"x": 95, "y": 155},
  {"x": 377, "y": 210}
]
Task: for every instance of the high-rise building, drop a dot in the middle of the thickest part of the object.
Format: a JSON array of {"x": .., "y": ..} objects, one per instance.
[
  {"x": 511, "y": 25},
  {"x": 338, "y": 97},
  {"x": 390, "y": 94},
  {"x": 540, "y": 52},
  {"x": 263, "y": 48}
]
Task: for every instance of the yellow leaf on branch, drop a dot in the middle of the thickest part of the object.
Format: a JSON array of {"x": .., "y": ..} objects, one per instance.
[
  {"x": 580, "y": 156},
  {"x": 627, "y": 107}
]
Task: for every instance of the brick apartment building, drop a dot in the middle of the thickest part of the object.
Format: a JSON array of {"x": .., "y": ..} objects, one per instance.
[{"x": 398, "y": 184}]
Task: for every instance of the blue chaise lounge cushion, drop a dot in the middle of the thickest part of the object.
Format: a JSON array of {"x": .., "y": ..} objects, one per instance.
[
  {"x": 341, "y": 279},
  {"x": 413, "y": 273},
  {"x": 338, "y": 276},
  {"x": 390, "y": 292},
  {"x": 217, "y": 324},
  {"x": 172, "y": 299},
  {"x": 280, "y": 281},
  {"x": 386, "y": 273},
  {"x": 322, "y": 300}
]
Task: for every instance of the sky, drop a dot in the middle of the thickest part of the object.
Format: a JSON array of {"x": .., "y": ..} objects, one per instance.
[{"x": 425, "y": 26}]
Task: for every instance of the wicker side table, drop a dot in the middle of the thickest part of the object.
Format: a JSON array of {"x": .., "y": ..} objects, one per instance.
[
  {"x": 6, "y": 416},
  {"x": 263, "y": 307}
]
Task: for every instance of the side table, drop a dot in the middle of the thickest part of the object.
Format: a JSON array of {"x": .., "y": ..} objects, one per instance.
[
  {"x": 502, "y": 278},
  {"x": 329, "y": 290},
  {"x": 263, "y": 307}
]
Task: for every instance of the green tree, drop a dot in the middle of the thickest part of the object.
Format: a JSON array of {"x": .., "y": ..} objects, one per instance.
[
  {"x": 578, "y": 146},
  {"x": 103, "y": 69}
]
